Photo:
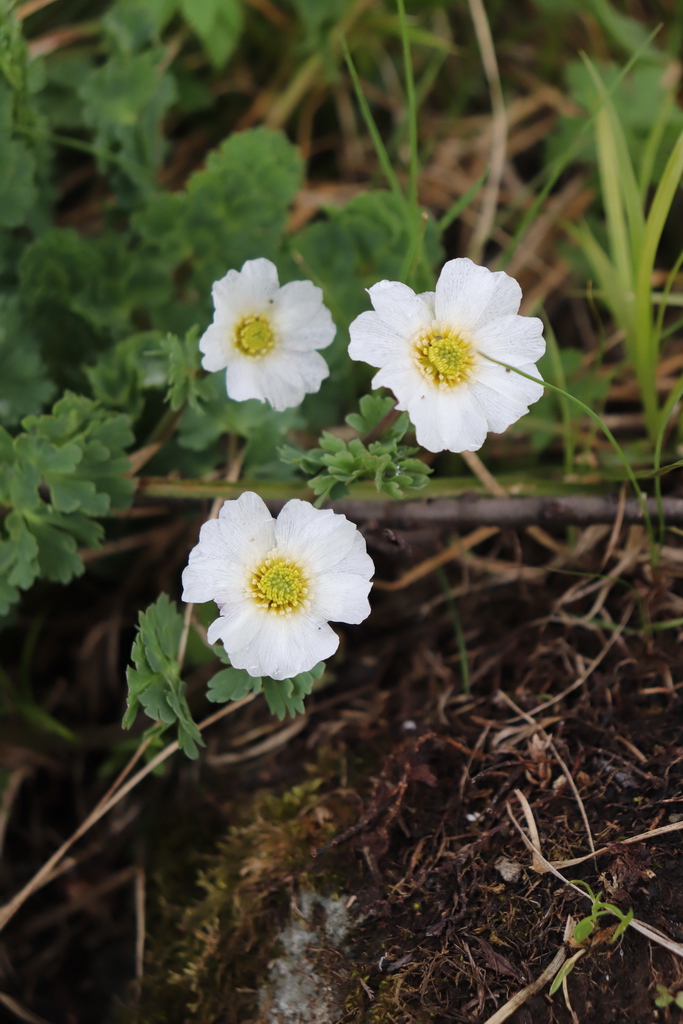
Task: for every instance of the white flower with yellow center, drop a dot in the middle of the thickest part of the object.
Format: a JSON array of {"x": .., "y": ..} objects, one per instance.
[
  {"x": 277, "y": 582},
  {"x": 266, "y": 337},
  {"x": 431, "y": 352}
]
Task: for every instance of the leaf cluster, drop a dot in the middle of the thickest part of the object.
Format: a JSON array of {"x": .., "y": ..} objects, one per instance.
[
  {"x": 56, "y": 476},
  {"x": 283, "y": 696},
  {"x": 154, "y": 684},
  {"x": 337, "y": 463}
]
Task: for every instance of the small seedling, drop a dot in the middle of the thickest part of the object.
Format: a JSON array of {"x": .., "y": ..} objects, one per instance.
[
  {"x": 665, "y": 998},
  {"x": 585, "y": 928}
]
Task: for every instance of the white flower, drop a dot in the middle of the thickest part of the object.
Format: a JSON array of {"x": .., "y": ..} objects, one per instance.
[
  {"x": 265, "y": 336},
  {"x": 431, "y": 350},
  {"x": 278, "y": 581}
]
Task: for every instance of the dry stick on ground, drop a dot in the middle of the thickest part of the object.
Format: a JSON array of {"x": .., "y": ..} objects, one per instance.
[
  {"x": 663, "y": 830},
  {"x": 469, "y": 509},
  {"x": 19, "y": 1011},
  {"x": 513, "y": 512},
  {"x": 524, "y": 994},
  {"x": 497, "y": 490},
  {"x": 430, "y": 564}
]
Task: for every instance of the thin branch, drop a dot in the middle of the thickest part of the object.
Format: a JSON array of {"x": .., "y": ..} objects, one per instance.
[{"x": 467, "y": 510}]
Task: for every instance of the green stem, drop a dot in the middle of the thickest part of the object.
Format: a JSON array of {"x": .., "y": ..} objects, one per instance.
[
  {"x": 380, "y": 148},
  {"x": 280, "y": 490}
]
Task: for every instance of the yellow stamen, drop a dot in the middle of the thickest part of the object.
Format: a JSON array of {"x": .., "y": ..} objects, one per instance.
[
  {"x": 443, "y": 356},
  {"x": 254, "y": 336},
  {"x": 279, "y": 585}
]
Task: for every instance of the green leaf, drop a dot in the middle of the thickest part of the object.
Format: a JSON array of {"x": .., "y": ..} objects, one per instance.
[
  {"x": 18, "y": 194},
  {"x": 125, "y": 101},
  {"x": 233, "y": 210},
  {"x": 285, "y": 696},
  {"x": 24, "y": 386},
  {"x": 122, "y": 374},
  {"x": 214, "y": 414},
  {"x": 232, "y": 684},
  {"x": 218, "y": 23},
  {"x": 584, "y": 929},
  {"x": 24, "y": 547},
  {"x": 154, "y": 685},
  {"x": 76, "y": 455},
  {"x": 337, "y": 463},
  {"x": 184, "y": 368},
  {"x": 664, "y": 997},
  {"x": 373, "y": 409}
]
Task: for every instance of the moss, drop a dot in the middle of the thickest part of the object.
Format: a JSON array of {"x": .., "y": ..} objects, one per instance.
[{"x": 213, "y": 929}]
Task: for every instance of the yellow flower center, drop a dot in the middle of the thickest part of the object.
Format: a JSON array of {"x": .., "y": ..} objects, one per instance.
[
  {"x": 254, "y": 336},
  {"x": 444, "y": 357},
  {"x": 279, "y": 585}
]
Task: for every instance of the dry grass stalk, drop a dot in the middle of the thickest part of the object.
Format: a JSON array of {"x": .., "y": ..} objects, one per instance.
[{"x": 430, "y": 564}]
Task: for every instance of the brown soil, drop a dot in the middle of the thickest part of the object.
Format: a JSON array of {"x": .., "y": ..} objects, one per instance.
[{"x": 397, "y": 794}]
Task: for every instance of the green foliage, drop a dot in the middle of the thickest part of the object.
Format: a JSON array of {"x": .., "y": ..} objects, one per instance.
[
  {"x": 338, "y": 463},
  {"x": 154, "y": 685},
  {"x": 665, "y": 998},
  {"x": 623, "y": 266},
  {"x": 126, "y": 98},
  {"x": 184, "y": 359},
  {"x": 318, "y": 17},
  {"x": 214, "y": 414},
  {"x": 218, "y": 23},
  {"x": 24, "y": 385},
  {"x": 21, "y": 156},
  {"x": 587, "y": 925},
  {"x": 640, "y": 101},
  {"x": 283, "y": 696},
  {"x": 359, "y": 244},
  {"x": 126, "y": 371},
  {"x": 59, "y": 473},
  {"x": 235, "y": 209}
]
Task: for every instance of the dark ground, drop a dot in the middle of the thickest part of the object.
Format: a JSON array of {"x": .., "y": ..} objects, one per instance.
[{"x": 395, "y": 792}]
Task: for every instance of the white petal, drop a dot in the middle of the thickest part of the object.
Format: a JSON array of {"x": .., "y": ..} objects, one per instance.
[
  {"x": 404, "y": 379},
  {"x": 341, "y": 593},
  {"x": 228, "y": 548},
  {"x": 400, "y": 307},
  {"x": 281, "y": 647},
  {"x": 214, "y": 343},
  {"x": 236, "y": 626},
  {"x": 468, "y": 295},
  {"x": 244, "y": 378},
  {"x": 320, "y": 538},
  {"x": 281, "y": 377},
  {"x": 512, "y": 339},
  {"x": 509, "y": 384},
  {"x": 374, "y": 341},
  {"x": 300, "y": 318},
  {"x": 448, "y": 419},
  {"x": 500, "y": 410},
  {"x": 429, "y": 298},
  {"x": 250, "y": 290}
]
